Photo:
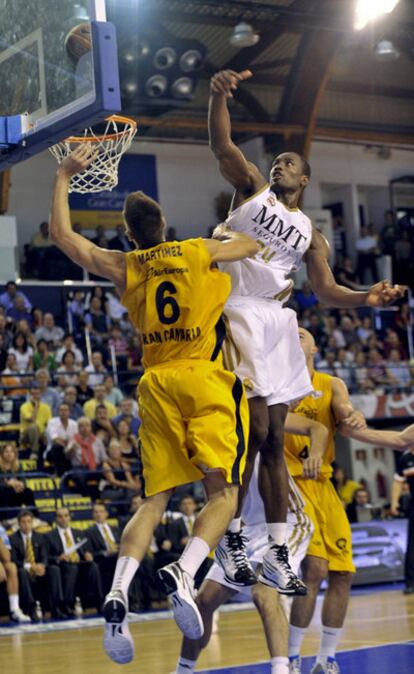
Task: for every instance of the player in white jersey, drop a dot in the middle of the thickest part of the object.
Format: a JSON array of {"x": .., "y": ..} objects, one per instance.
[
  {"x": 216, "y": 589},
  {"x": 268, "y": 357}
]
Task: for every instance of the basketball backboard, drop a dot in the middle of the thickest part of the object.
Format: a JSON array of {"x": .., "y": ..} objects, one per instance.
[{"x": 50, "y": 89}]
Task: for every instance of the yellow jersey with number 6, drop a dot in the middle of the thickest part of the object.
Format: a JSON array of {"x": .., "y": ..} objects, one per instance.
[
  {"x": 176, "y": 300},
  {"x": 319, "y": 409}
]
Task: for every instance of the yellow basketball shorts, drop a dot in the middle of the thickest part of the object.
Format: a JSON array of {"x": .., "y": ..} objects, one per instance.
[
  {"x": 195, "y": 419},
  {"x": 331, "y": 538}
]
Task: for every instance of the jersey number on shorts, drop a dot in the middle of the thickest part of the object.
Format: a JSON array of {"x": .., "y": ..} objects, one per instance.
[
  {"x": 167, "y": 307},
  {"x": 304, "y": 454}
]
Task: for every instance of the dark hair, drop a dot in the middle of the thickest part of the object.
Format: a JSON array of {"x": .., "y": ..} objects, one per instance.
[
  {"x": 306, "y": 167},
  {"x": 100, "y": 407},
  {"x": 15, "y": 338},
  {"x": 66, "y": 353},
  {"x": 24, "y": 513},
  {"x": 186, "y": 496},
  {"x": 143, "y": 217},
  {"x": 10, "y": 283}
]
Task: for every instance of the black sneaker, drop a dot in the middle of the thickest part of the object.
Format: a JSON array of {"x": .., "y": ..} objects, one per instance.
[
  {"x": 232, "y": 556},
  {"x": 276, "y": 572}
]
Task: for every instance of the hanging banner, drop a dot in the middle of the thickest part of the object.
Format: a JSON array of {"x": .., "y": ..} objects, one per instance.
[
  {"x": 136, "y": 172},
  {"x": 382, "y": 406}
]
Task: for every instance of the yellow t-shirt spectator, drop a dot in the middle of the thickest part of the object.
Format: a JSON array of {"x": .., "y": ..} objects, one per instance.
[
  {"x": 44, "y": 413},
  {"x": 346, "y": 491},
  {"x": 90, "y": 407}
]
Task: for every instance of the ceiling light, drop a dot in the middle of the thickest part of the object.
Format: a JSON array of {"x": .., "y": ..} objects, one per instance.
[
  {"x": 369, "y": 10},
  {"x": 385, "y": 51},
  {"x": 191, "y": 60},
  {"x": 156, "y": 86},
  {"x": 165, "y": 58},
  {"x": 183, "y": 87},
  {"x": 244, "y": 36}
]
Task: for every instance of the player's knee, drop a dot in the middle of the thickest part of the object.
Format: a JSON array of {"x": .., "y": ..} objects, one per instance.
[
  {"x": 10, "y": 568},
  {"x": 315, "y": 573},
  {"x": 3, "y": 573},
  {"x": 259, "y": 430},
  {"x": 265, "y": 600}
]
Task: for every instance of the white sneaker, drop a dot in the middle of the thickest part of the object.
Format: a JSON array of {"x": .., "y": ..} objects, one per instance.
[
  {"x": 118, "y": 642},
  {"x": 326, "y": 666},
  {"x": 277, "y": 572},
  {"x": 295, "y": 665},
  {"x": 19, "y": 617},
  {"x": 231, "y": 554},
  {"x": 179, "y": 588}
]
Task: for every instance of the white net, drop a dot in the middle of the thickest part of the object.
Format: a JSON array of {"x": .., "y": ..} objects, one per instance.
[{"x": 102, "y": 174}]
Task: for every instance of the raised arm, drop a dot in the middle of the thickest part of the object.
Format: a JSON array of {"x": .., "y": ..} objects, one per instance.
[
  {"x": 235, "y": 168},
  {"x": 329, "y": 292},
  {"x": 109, "y": 264},
  {"x": 233, "y": 246}
]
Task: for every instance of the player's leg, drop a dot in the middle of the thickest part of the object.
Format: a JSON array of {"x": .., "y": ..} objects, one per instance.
[
  {"x": 135, "y": 541},
  {"x": 275, "y": 624},
  {"x": 8, "y": 574},
  {"x": 211, "y": 596},
  {"x": 315, "y": 570},
  {"x": 409, "y": 555}
]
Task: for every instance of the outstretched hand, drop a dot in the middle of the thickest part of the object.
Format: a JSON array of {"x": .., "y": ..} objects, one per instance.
[
  {"x": 78, "y": 160},
  {"x": 226, "y": 81},
  {"x": 383, "y": 293}
]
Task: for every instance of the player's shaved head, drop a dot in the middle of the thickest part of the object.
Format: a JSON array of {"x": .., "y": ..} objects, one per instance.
[
  {"x": 307, "y": 343},
  {"x": 144, "y": 220}
]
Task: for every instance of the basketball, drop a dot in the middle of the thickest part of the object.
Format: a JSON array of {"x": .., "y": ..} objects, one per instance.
[{"x": 78, "y": 41}]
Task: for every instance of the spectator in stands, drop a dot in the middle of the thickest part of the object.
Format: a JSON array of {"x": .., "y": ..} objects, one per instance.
[
  {"x": 388, "y": 234},
  {"x": 305, "y": 297},
  {"x": 377, "y": 371},
  {"x": 34, "y": 417},
  {"x": 361, "y": 370},
  {"x": 23, "y": 353},
  {"x": 365, "y": 330},
  {"x": 60, "y": 431},
  {"x": 11, "y": 378},
  {"x": 7, "y": 298},
  {"x": 52, "y": 333},
  {"x": 360, "y": 509},
  {"x": 97, "y": 322},
  {"x": 339, "y": 235},
  {"x": 134, "y": 504},
  {"x": 128, "y": 441},
  {"x": 403, "y": 252},
  {"x": 86, "y": 451},
  {"x": 48, "y": 395},
  {"x": 118, "y": 484},
  {"x": 100, "y": 237},
  {"x": 77, "y": 310},
  {"x": 347, "y": 276},
  {"x": 69, "y": 345},
  {"x": 114, "y": 308},
  {"x": 398, "y": 371},
  {"x": 169, "y": 536},
  {"x": 134, "y": 356},
  {"x": 188, "y": 509},
  {"x": 69, "y": 551},
  {"x": 43, "y": 358},
  {"x": 118, "y": 342},
  {"x": 37, "y": 318},
  {"x": 348, "y": 330},
  {"x": 112, "y": 393},
  {"x": 67, "y": 373},
  {"x": 70, "y": 399},
  {"x": 38, "y": 246},
  {"x": 83, "y": 390},
  {"x": 343, "y": 369},
  {"x": 127, "y": 413},
  {"x": 171, "y": 234},
  {"x": 96, "y": 369},
  {"x": 8, "y": 575},
  {"x": 25, "y": 327},
  {"x": 392, "y": 341},
  {"x": 13, "y": 490},
  {"x": 120, "y": 241},
  {"x": 101, "y": 425},
  {"x": 367, "y": 248},
  {"x": 104, "y": 544},
  {"x": 18, "y": 311},
  {"x": 99, "y": 394},
  {"x": 3, "y": 353},
  {"x": 344, "y": 486},
  {"x": 37, "y": 579},
  {"x": 4, "y": 331},
  {"x": 327, "y": 365}
]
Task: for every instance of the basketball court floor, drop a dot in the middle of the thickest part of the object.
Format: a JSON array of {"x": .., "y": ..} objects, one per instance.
[{"x": 378, "y": 639}]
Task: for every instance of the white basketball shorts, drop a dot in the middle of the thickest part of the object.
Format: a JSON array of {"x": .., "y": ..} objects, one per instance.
[{"x": 263, "y": 349}]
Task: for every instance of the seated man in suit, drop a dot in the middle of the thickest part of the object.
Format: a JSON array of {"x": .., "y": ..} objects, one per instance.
[
  {"x": 79, "y": 573},
  {"x": 37, "y": 580},
  {"x": 8, "y": 575},
  {"x": 104, "y": 544}
]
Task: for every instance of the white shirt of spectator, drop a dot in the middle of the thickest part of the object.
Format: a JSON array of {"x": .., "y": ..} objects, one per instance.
[
  {"x": 22, "y": 359},
  {"x": 50, "y": 335},
  {"x": 366, "y": 243},
  {"x": 95, "y": 378},
  {"x": 77, "y": 352},
  {"x": 55, "y": 429},
  {"x": 115, "y": 308},
  {"x": 62, "y": 534},
  {"x": 105, "y": 527}
]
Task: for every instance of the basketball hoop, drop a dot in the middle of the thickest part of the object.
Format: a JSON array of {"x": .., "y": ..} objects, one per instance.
[{"x": 102, "y": 174}]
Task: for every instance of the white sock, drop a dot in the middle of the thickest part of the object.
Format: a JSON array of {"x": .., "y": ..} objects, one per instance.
[
  {"x": 235, "y": 525},
  {"x": 13, "y": 602},
  {"x": 280, "y": 665},
  {"x": 277, "y": 532},
  {"x": 329, "y": 642},
  {"x": 125, "y": 570},
  {"x": 296, "y": 635},
  {"x": 194, "y": 554},
  {"x": 185, "y": 666}
]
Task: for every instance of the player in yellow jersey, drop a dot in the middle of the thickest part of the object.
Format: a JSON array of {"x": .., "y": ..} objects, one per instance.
[{"x": 194, "y": 412}]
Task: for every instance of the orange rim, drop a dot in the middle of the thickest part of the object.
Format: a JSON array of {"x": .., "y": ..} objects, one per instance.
[{"x": 109, "y": 136}]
